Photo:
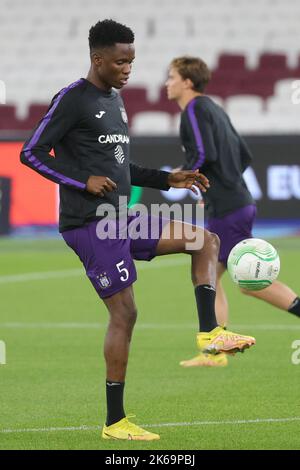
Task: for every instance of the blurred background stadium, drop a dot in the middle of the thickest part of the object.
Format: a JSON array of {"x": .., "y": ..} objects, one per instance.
[{"x": 252, "y": 48}]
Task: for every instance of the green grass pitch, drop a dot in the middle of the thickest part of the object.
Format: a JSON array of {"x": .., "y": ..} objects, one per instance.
[{"x": 52, "y": 388}]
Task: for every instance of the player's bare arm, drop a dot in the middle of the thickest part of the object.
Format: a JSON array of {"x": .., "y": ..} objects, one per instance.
[{"x": 188, "y": 179}]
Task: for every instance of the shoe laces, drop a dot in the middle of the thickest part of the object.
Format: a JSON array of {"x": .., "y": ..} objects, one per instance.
[{"x": 131, "y": 427}]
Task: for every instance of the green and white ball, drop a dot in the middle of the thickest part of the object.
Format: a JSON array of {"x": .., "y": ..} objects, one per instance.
[{"x": 253, "y": 264}]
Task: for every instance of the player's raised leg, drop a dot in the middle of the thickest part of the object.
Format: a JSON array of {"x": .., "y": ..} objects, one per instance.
[
  {"x": 280, "y": 295},
  {"x": 123, "y": 313},
  {"x": 211, "y": 337}
]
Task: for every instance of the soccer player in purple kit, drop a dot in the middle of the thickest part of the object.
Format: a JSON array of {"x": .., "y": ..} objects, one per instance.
[
  {"x": 213, "y": 145},
  {"x": 86, "y": 125}
]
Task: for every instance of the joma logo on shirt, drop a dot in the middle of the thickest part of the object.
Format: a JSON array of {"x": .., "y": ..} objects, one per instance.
[
  {"x": 113, "y": 139},
  {"x": 100, "y": 114}
]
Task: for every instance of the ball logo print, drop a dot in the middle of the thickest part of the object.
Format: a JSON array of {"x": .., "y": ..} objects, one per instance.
[{"x": 2, "y": 353}]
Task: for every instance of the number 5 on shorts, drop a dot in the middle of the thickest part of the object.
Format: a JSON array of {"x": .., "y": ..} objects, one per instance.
[{"x": 122, "y": 270}]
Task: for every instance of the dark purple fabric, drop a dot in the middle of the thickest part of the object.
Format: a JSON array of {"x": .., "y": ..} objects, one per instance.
[
  {"x": 197, "y": 134},
  {"x": 102, "y": 257},
  {"x": 232, "y": 229}
]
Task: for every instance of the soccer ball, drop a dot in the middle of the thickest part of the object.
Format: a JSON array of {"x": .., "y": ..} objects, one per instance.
[{"x": 253, "y": 264}]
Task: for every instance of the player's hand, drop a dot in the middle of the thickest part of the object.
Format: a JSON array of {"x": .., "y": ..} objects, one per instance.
[
  {"x": 100, "y": 185},
  {"x": 188, "y": 179},
  {"x": 175, "y": 170}
]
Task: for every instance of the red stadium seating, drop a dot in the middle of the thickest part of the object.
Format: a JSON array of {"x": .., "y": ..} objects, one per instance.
[
  {"x": 230, "y": 77},
  {"x": 226, "y": 82},
  {"x": 273, "y": 62},
  {"x": 8, "y": 118},
  {"x": 35, "y": 113},
  {"x": 258, "y": 83},
  {"x": 164, "y": 104},
  {"x": 135, "y": 100},
  {"x": 233, "y": 62}
]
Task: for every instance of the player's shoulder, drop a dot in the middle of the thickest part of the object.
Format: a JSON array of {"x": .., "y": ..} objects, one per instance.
[
  {"x": 205, "y": 103},
  {"x": 198, "y": 106},
  {"x": 70, "y": 93},
  {"x": 208, "y": 108}
]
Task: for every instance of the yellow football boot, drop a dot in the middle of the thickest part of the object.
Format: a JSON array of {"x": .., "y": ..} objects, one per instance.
[
  {"x": 206, "y": 360},
  {"x": 223, "y": 341},
  {"x": 126, "y": 430}
]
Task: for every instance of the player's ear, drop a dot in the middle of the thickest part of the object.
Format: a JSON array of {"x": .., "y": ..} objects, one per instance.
[
  {"x": 96, "y": 59},
  {"x": 188, "y": 84}
]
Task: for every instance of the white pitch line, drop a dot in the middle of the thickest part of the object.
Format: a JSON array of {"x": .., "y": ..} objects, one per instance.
[
  {"x": 159, "y": 425},
  {"x": 45, "y": 275},
  {"x": 141, "y": 326},
  {"x": 40, "y": 276}
]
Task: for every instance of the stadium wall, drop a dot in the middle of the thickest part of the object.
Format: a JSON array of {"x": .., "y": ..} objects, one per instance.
[{"x": 274, "y": 179}]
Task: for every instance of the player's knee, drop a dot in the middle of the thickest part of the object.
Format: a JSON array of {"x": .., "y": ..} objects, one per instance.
[
  {"x": 211, "y": 244},
  {"x": 125, "y": 317},
  {"x": 131, "y": 316},
  {"x": 212, "y": 240}
]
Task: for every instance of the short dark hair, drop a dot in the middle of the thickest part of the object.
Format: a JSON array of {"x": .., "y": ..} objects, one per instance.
[
  {"x": 193, "y": 68},
  {"x": 107, "y": 33}
]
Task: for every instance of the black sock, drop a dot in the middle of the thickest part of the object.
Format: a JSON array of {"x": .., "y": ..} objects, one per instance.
[
  {"x": 295, "y": 307},
  {"x": 205, "y": 297},
  {"x": 114, "y": 399}
]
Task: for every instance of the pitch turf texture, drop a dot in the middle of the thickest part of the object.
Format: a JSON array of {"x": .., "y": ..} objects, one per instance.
[{"x": 52, "y": 388}]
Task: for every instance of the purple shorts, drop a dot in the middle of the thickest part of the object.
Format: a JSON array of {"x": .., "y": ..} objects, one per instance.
[
  {"x": 232, "y": 229},
  {"x": 109, "y": 262}
]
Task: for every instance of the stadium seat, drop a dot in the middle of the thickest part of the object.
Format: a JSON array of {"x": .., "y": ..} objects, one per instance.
[
  {"x": 232, "y": 62},
  {"x": 225, "y": 83},
  {"x": 35, "y": 113},
  {"x": 285, "y": 87},
  {"x": 253, "y": 125},
  {"x": 152, "y": 123},
  {"x": 247, "y": 44},
  {"x": 284, "y": 114},
  {"x": 244, "y": 104},
  {"x": 247, "y": 114},
  {"x": 8, "y": 118},
  {"x": 257, "y": 83},
  {"x": 135, "y": 100},
  {"x": 164, "y": 104},
  {"x": 273, "y": 62}
]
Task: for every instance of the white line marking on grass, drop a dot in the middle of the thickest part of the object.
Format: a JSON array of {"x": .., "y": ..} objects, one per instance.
[
  {"x": 40, "y": 276},
  {"x": 40, "y": 430},
  {"x": 140, "y": 326},
  {"x": 49, "y": 326},
  {"x": 271, "y": 327},
  {"x": 159, "y": 425},
  {"x": 45, "y": 275},
  {"x": 232, "y": 423}
]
